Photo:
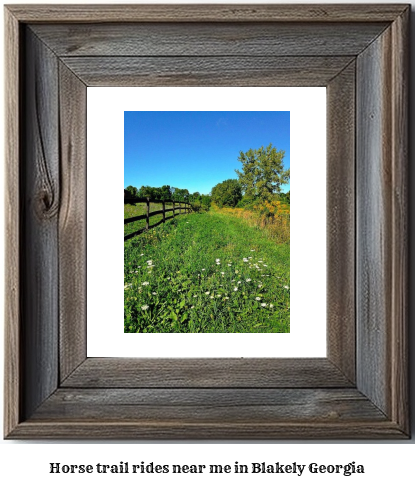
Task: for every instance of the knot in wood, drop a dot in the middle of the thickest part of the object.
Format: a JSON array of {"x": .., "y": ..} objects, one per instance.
[{"x": 46, "y": 204}]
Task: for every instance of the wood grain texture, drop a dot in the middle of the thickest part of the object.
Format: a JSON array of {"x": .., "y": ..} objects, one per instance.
[
  {"x": 382, "y": 223},
  {"x": 12, "y": 383},
  {"x": 341, "y": 238},
  {"x": 206, "y": 373},
  {"x": 400, "y": 263},
  {"x": 207, "y": 71},
  {"x": 198, "y": 39},
  {"x": 188, "y": 430},
  {"x": 40, "y": 205},
  {"x": 374, "y": 221},
  {"x": 209, "y": 405},
  {"x": 207, "y": 13},
  {"x": 72, "y": 222}
]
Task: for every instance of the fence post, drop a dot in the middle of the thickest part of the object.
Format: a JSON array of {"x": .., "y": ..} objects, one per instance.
[
  {"x": 174, "y": 211},
  {"x": 164, "y": 211},
  {"x": 180, "y": 208},
  {"x": 148, "y": 213}
]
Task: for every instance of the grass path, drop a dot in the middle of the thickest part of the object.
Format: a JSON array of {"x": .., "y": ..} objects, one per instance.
[{"x": 206, "y": 273}]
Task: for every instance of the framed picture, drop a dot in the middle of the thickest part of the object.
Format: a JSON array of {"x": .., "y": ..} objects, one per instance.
[
  {"x": 359, "y": 389},
  {"x": 252, "y": 284}
]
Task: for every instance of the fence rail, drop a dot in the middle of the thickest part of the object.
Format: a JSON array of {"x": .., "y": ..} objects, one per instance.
[{"x": 148, "y": 214}]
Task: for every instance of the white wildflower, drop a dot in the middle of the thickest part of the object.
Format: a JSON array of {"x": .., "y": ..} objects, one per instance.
[
  {"x": 144, "y": 307},
  {"x": 248, "y": 280},
  {"x": 257, "y": 298},
  {"x": 235, "y": 289},
  {"x": 207, "y": 293},
  {"x": 128, "y": 285},
  {"x": 154, "y": 293},
  {"x": 145, "y": 283},
  {"x": 271, "y": 305},
  {"x": 263, "y": 304}
]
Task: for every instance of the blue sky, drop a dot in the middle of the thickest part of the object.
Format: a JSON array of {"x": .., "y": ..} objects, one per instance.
[{"x": 196, "y": 150}]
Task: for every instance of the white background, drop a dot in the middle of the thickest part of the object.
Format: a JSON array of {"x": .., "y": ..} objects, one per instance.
[
  {"x": 24, "y": 463},
  {"x": 105, "y": 283}
]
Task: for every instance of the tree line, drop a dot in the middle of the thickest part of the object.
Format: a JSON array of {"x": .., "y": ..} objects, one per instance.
[
  {"x": 260, "y": 180},
  {"x": 197, "y": 200}
]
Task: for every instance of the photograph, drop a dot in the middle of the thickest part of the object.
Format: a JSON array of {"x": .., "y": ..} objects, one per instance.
[{"x": 206, "y": 221}]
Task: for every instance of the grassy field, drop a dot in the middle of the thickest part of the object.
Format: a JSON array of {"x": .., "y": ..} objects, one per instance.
[
  {"x": 207, "y": 272},
  {"x": 141, "y": 209}
]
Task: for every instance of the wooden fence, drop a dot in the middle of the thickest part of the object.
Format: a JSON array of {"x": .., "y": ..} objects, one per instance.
[{"x": 148, "y": 214}]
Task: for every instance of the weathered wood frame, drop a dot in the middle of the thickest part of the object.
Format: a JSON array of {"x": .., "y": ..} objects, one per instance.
[{"x": 359, "y": 52}]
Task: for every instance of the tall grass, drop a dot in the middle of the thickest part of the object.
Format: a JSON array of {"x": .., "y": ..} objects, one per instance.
[{"x": 273, "y": 218}]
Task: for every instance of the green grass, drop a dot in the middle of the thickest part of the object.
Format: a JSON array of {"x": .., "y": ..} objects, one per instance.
[{"x": 206, "y": 273}]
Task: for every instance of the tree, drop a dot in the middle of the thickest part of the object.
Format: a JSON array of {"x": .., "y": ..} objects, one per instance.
[
  {"x": 132, "y": 191},
  {"x": 146, "y": 192},
  {"x": 227, "y": 194},
  {"x": 285, "y": 197},
  {"x": 262, "y": 172},
  {"x": 181, "y": 195},
  {"x": 165, "y": 193}
]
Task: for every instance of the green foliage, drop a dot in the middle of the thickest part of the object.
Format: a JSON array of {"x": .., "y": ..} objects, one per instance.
[
  {"x": 262, "y": 172},
  {"x": 181, "y": 195},
  {"x": 196, "y": 206},
  {"x": 155, "y": 193},
  {"x": 227, "y": 194},
  {"x": 285, "y": 197},
  {"x": 205, "y": 200},
  {"x": 200, "y": 203},
  {"x": 247, "y": 201},
  {"x": 131, "y": 191},
  {"x": 206, "y": 272}
]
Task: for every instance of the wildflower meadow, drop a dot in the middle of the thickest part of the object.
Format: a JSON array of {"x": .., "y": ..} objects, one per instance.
[{"x": 207, "y": 272}]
